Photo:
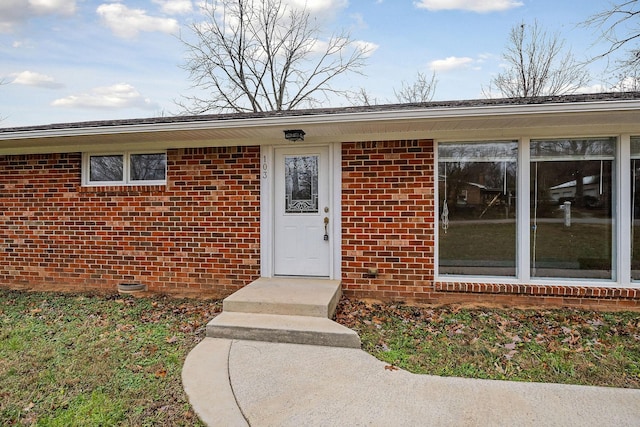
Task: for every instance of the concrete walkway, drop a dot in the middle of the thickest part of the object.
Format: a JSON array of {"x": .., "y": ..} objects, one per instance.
[{"x": 234, "y": 382}]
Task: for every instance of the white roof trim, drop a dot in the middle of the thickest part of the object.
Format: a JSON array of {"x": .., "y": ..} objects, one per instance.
[{"x": 434, "y": 113}]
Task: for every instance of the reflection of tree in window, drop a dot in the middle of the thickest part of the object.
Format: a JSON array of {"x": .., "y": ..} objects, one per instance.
[
  {"x": 483, "y": 184},
  {"x": 148, "y": 167},
  {"x": 106, "y": 168},
  {"x": 571, "y": 208},
  {"x": 477, "y": 196},
  {"x": 303, "y": 173},
  {"x": 635, "y": 208}
]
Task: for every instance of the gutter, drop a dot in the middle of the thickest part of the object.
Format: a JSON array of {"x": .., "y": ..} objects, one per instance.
[{"x": 331, "y": 118}]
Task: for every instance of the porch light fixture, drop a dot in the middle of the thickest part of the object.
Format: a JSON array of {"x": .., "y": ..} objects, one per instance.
[{"x": 294, "y": 135}]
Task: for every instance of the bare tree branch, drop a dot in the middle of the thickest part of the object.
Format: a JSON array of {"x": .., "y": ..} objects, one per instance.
[
  {"x": 421, "y": 90},
  {"x": 619, "y": 26},
  {"x": 252, "y": 56},
  {"x": 537, "y": 64}
]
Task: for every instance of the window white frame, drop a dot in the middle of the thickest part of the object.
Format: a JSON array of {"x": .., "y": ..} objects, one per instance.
[
  {"x": 126, "y": 169},
  {"x": 621, "y": 246}
]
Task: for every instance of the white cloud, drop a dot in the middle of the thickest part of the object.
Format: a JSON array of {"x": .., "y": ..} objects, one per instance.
[
  {"x": 16, "y": 12},
  {"x": 30, "y": 78},
  {"x": 367, "y": 47},
  {"x": 483, "y": 57},
  {"x": 121, "y": 95},
  {"x": 22, "y": 44},
  {"x": 319, "y": 6},
  {"x": 127, "y": 23},
  {"x": 599, "y": 88},
  {"x": 450, "y": 63},
  {"x": 175, "y": 7},
  {"x": 59, "y": 7},
  {"x": 480, "y": 6},
  {"x": 359, "y": 21}
]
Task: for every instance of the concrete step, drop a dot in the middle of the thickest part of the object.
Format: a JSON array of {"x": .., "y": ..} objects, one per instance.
[
  {"x": 282, "y": 328},
  {"x": 286, "y": 296}
]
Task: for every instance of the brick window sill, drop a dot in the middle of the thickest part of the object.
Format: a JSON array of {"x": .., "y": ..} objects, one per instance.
[
  {"x": 125, "y": 190},
  {"x": 538, "y": 290}
]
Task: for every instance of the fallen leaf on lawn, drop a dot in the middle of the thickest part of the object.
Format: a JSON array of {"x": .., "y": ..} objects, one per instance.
[
  {"x": 595, "y": 323},
  {"x": 390, "y": 368},
  {"x": 161, "y": 373},
  {"x": 510, "y": 346},
  {"x": 29, "y": 407},
  {"x": 171, "y": 340},
  {"x": 510, "y": 355}
]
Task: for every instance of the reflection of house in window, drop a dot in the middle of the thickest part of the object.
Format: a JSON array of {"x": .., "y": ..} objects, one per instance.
[
  {"x": 470, "y": 196},
  {"x": 462, "y": 198},
  {"x": 566, "y": 192}
]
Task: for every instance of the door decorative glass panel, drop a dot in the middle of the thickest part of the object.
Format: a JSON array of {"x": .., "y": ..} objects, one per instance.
[{"x": 301, "y": 184}]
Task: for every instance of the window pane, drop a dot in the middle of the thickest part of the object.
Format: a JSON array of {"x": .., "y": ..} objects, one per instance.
[
  {"x": 477, "y": 195},
  {"x": 573, "y": 149},
  {"x": 301, "y": 184},
  {"x": 572, "y": 210},
  {"x": 635, "y": 208},
  {"x": 106, "y": 168},
  {"x": 148, "y": 167},
  {"x": 635, "y": 146}
]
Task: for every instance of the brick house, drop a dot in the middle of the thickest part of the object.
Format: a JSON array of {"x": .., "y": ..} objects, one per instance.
[{"x": 371, "y": 196}]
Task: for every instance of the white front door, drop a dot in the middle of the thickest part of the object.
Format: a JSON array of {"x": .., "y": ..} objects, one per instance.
[{"x": 302, "y": 226}]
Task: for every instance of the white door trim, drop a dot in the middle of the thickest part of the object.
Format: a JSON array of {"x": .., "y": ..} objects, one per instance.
[{"x": 267, "y": 193}]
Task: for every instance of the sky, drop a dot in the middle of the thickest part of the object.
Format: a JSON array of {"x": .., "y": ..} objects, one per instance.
[{"x": 65, "y": 61}]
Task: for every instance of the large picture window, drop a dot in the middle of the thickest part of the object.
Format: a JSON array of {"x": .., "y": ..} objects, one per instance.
[
  {"x": 571, "y": 201},
  {"x": 635, "y": 208},
  {"x": 477, "y": 204},
  {"x": 125, "y": 168}
]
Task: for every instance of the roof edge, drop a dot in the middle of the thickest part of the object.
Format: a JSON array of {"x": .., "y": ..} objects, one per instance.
[{"x": 622, "y": 101}]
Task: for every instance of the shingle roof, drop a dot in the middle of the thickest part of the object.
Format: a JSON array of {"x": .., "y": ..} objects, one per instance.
[{"x": 581, "y": 98}]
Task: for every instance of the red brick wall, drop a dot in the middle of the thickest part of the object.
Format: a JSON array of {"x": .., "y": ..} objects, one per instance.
[
  {"x": 388, "y": 223},
  {"x": 199, "y": 233},
  {"x": 388, "y": 219}
]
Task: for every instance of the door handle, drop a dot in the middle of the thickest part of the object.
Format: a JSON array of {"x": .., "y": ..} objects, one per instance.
[{"x": 326, "y": 228}]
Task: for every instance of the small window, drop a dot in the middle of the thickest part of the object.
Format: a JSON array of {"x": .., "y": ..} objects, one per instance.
[{"x": 125, "y": 168}]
